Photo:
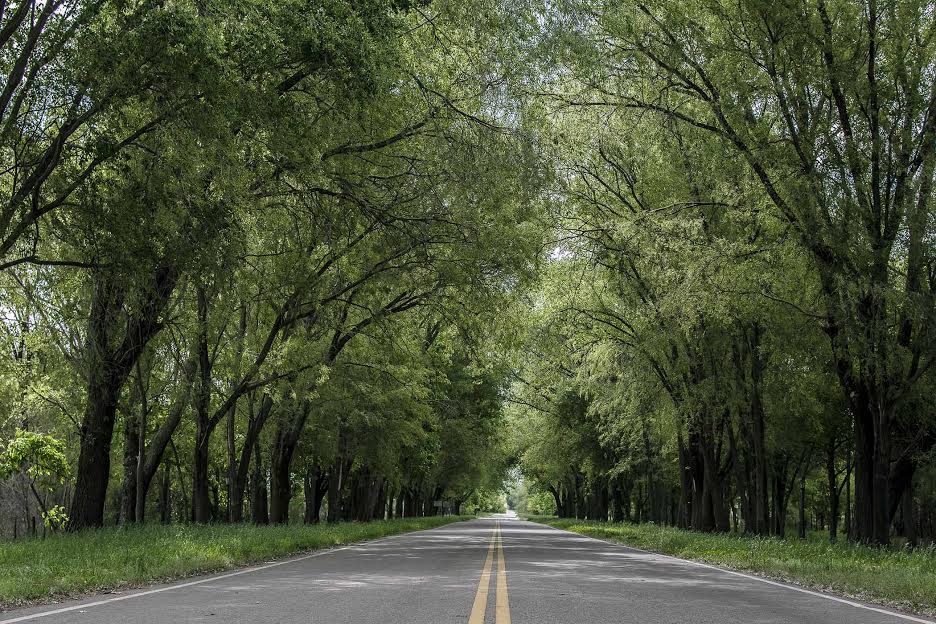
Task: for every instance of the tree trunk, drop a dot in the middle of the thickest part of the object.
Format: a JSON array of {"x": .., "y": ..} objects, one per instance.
[
  {"x": 280, "y": 483},
  {"x": 380, "y": 506},
  {"x": 409, "y": 504},
  {"x": 201, "y": 502},
  {"x": 235, "y": 511},
  {"x": 255, "y": 424},
  {"x": 715, "y": 516},
  {"x": 802, "y": 506},
  {"x": 848, "y": 503},
  {"x": 398, "y": 512},
  {"x": 778, "y": 516},
  {"x": 758, "y": 448},
  {"x": 231, "y": 471},
  {"x": 201, "y": 489},
  {"x": 832, "y": 483},
  {"x": 108, "y": 369},
  {"x": 258, "y": 497},
  {"x": 337, "y": 484},
  {"x": 216, "y": 494},
  {"x": 617, "y": 507},
  {"x": 152, "y": 456},
  {"x": 872, "y": 434},
  {"x": 368, "y": 499},
  {"x": 685, "y": 486},
  {"x": 165, "y": 510},
  {"x": 285, "y": 443},
  {"x": 908, "y": 515},
  {"x": 315, "y": 484},
  {"x": 872, "y": 475},
  {"x": 139, "y": 493},
  {"x": 128, "y": 499},
  {"x": 881, "y": 517},
  {"x": 93, "y": 473}
]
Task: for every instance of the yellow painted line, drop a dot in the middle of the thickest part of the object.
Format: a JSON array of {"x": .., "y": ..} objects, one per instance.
[
  {"x": 481, "y": 597},
  {"x": 502, "y": 605}
]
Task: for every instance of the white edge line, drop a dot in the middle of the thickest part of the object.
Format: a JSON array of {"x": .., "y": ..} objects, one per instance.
[
  {"x": 97, "y": 603},
  {"x": 851, "y": 603}
]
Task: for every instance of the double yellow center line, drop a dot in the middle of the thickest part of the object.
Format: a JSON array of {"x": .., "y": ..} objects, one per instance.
[{"x": 501, "y": 604}]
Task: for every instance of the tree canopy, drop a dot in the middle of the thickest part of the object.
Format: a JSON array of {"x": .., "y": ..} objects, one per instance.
[{"x": 347, "y": 260}]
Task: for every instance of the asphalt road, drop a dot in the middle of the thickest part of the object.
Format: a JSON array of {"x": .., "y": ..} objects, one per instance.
[{"x": 492, "y": 571}]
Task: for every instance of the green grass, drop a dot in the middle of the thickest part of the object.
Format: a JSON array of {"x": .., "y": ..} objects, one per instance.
[
  {"x": 898, "y": 577},
  {"x": 105, "y": 559}
]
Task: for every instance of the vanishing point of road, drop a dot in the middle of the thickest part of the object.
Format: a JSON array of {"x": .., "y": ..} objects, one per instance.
[{"x": 491, "y": 571}]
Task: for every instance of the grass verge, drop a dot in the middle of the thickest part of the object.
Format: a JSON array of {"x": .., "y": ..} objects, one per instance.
[
  {"x": 106, "y": 559},
  {"x": 905, "y": 579}
]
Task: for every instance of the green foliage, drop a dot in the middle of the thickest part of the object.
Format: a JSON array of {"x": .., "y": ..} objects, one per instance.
[
  {"x": 41, "y": 457},
  {"x": 289, "y": 221},
  {"x": 55, "y": 518},
  {"x": 485, "y": 501},
  {"x": 669, "y": 262},
  {"x": 730, "y": 313},
  {"x": 540, "y": 504}
]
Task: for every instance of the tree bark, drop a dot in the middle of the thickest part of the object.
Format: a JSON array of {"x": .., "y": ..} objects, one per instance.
[
  {"x": 165, "y": 509},
  {"x": 685, "y": 485},
  {"x": 849, "y": 528},
  {"x": 280, "y": 483},
  {"x": 833, "y": 488},
  {"x": 254, "y": 427},
  {"x": 258, "y": 508},
  {"x": 315, "y": 485},
  {"x": 873, "y": 416},
  {"x": 235, "y": 499},
  {"x": 779, "y": 498},
  {"x": 128, "y": 499},
  {"x": 156, "y": 450},
  {"x": 201, "y": 502},
  {"x": 284, "y": 447},
  {"x": 801, "y": 528},
  {"x": 398, "y": 511},
  {"x": 109, "y": 368},
  {"x": 758, "y": 446},
  {"x": 139, "y": 495},
  {"x": 908, "y": 514},
  {"x": 337, "y": 500},
  {"x": 93, "y": 472}
]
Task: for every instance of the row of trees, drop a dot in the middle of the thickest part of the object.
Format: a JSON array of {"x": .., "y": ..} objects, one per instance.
[
  {"x": 246, "y": 246},
  {"x": 740, "y": 307},
  {"x": 253, "y": 249}
]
